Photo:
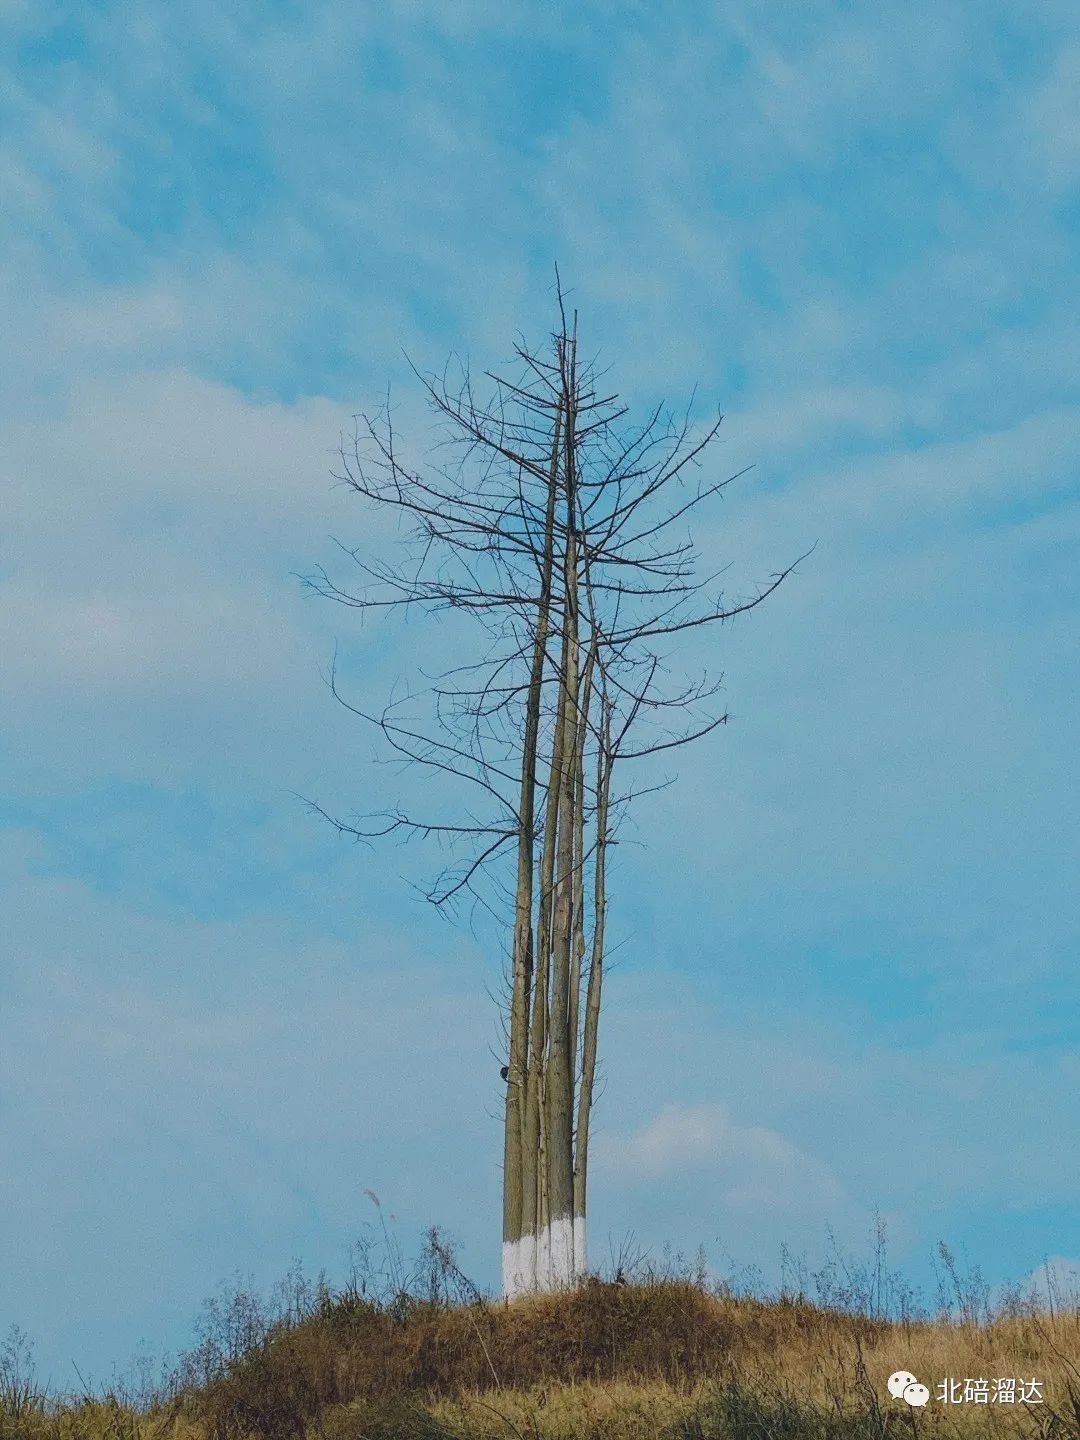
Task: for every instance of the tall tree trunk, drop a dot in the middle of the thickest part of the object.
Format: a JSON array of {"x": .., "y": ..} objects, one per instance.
[
  {"x": 593, "y": 995},
  {"x": 536, "y": 1210},
  {"x": 519, "y": 1229},
  {"x": 558, "y": 1076},
  {"x": 580, "y": 829},
  {"x": 535, "y": 1197},
  {"x": 558, "y": 1073}
]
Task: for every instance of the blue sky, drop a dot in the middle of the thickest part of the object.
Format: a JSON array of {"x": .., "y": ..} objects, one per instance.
[{"x": 855, "y": 227}]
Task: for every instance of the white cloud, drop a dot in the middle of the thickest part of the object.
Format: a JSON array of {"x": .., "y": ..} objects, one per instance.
[
  {"x": 152, "y": 528},
  {"x": 1051, "y": 124},
  {"x": 796, "y": 419},
  {"x": 734, "y": 1169},
  {"x": 1056, "y": 1281},
  {"x": 764, "y": 1077}
]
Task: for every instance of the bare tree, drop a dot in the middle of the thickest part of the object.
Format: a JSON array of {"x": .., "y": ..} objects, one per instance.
[{"x": 557, "y": 525}]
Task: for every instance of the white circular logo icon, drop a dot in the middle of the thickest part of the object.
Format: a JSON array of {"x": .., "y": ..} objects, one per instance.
[
  {"x": 899, "y": 1381},
  {"x": 904, "y": 1386}
]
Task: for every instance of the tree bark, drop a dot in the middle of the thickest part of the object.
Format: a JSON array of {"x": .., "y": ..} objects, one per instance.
[
  {"x": 578, "y": 955},
  {"x": 518, "y": 1258},
  {"x": 593, "y": 995},
  {"x": 558, "y": 1072}
]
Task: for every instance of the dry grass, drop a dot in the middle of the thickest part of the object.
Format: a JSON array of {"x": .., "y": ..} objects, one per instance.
[
  {"x": 667, "y": 1360},
  {"x": 663, "y": 1357}
]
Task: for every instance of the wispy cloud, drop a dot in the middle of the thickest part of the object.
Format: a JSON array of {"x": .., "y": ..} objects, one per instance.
[{"x": 742, "y": 1166}]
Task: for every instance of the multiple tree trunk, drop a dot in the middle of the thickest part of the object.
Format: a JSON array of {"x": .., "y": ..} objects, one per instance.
[
  {"x": 554, "y": 533},
  {"x": 558, "y": 954}
]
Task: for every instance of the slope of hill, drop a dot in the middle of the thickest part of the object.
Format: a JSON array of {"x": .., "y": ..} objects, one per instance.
[{"x": 607, "y": 1361}]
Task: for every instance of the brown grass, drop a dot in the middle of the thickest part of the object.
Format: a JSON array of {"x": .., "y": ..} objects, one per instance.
[
  {"x": 611, "y": 1360},
  {"x": 607, "y": 1361}
]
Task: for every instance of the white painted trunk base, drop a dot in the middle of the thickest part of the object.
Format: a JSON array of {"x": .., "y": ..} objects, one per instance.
[
  {"x": 561, "y": 1272},
  {"x": 542, "y": 1273},
  {"x": 518, "y": 1266},
  {"x": 553, "y": 1259}
]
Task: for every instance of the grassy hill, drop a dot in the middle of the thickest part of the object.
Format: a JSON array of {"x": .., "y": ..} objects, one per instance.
[{"x": 663, "y": 1357}]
